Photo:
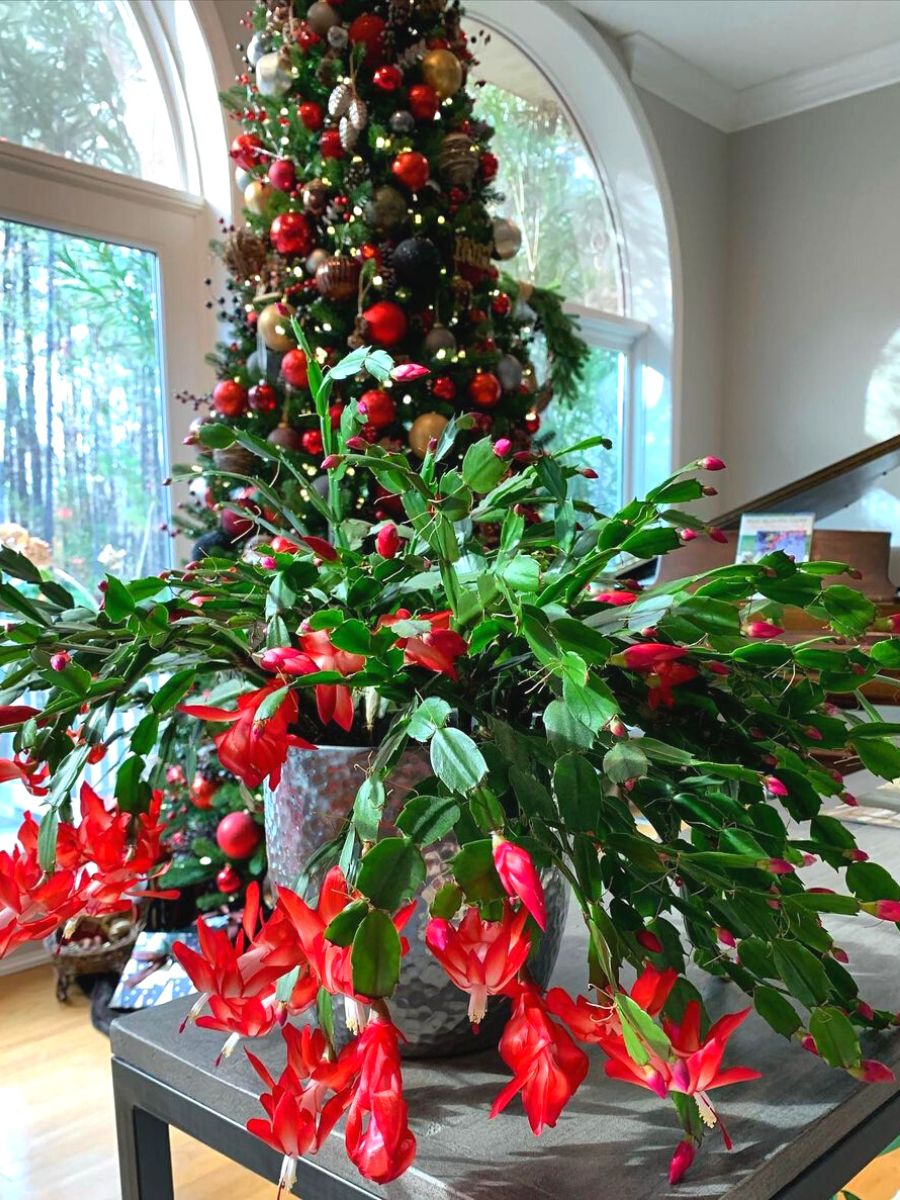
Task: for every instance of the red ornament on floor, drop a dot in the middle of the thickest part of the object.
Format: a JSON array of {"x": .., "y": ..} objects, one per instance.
[
  {"x": 238, "y": 835},
  {"x": 228, "y": 880},
  {"x": 229, "y": 398}
]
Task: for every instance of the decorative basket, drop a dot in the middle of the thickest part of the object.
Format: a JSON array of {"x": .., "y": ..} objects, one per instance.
[{"x": 71, "y": 959}]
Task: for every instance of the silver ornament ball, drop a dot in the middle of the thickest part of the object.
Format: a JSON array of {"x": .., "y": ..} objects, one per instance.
[
  {"x": 507, "y": 238},
  {"x": 272, "y": 78},
  {"x": 321, "y": 17},
  {"x": 259, "y": 44},
  {"x": 338, "y": 37},
  {"x": 509, "y": 372},
  {"x": 440, "y": 342},
  {"x": 402, "y": 122}
]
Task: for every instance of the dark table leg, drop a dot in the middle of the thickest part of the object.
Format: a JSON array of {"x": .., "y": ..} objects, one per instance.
[{"x": 145, "y": 1161}]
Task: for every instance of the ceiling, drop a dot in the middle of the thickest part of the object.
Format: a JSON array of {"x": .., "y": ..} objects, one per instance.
[{"x": 742, "y": 43}]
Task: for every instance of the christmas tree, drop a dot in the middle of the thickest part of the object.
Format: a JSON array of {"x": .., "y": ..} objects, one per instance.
[{"x": 368, "y": 183}]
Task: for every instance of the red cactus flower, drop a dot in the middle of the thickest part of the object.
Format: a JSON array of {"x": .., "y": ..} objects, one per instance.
[
  {"x": 334, "y": 701},
  {"x": 616, "y": 598},
  {"x": 436, "y": 648},
  {"x": 32, "y": 775},
  {"x": 253, "y": 749},
  {"x": 379, "y": 1141},
  {"x": 547, "y": 1066},
  {"x": 481, "y": 957},
  {"x": 520, "y": 877}
]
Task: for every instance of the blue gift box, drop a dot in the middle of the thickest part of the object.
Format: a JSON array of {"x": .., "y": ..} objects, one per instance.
[{"x": 152, "y": 974}]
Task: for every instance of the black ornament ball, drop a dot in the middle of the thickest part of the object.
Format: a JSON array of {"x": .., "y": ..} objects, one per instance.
[
  {"x": 416, "y": 264},
  {"x": 215, "y": 544},
  {"x": 402, "y": 121}
]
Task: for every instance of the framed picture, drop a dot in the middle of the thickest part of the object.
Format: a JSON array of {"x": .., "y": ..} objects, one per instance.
[{"x": 764, "y": 533}]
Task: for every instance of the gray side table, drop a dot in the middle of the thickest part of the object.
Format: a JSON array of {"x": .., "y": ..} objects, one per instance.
[{"x": 801, "y": 1132}]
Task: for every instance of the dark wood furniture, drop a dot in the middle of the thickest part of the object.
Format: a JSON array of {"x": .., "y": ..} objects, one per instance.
[{"x": 801, "y": 1132}]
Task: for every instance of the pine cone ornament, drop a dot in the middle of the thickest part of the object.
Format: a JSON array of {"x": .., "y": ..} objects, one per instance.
[
  {"x": 356, "y": 173},
  {"x": 244, "y": 254}
]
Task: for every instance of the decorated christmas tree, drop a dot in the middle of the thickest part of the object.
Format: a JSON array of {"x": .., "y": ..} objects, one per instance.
[{"x": 368, "y": 183}]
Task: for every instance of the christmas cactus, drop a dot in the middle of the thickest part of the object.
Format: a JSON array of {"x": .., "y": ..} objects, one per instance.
[{"x": 659, "y": 748}]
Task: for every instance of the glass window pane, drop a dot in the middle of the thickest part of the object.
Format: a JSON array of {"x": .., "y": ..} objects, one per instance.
[
  {"x": 81, "y": 411},
  {"x": 551, "y": 186},
  {"x": 598, "y": 409},
  {"x": 76, "y": 79}
]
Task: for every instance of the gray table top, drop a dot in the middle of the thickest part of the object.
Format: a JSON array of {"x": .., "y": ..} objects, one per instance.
[{"x": 613, "y": 1139}]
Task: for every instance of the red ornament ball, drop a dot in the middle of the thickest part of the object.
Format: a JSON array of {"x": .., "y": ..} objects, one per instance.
[
  {"x": 238, "y": 835},
  {"x": 263, "y": 398},
  {"x": 386, "y": 323},
  {"x": 229, "y": 398},
  {"x": 443, "y": 387},
  {"x": 311, "y": 441},
  {"x": 291, "y": 234},
  {"x": 335, "y": 413},
  {"x": 312, "y": 115},
  {"x": 501, "y": 304},
  {"x": 488, "y": 165},
  {"x": 294, "y": 370},
  {"x": 422, "y": 101},
  {"x": 378, "y": 407},
  {"x": 532, "y": 422},
  {"x": 306, "y": 36},
  {"x": 228, "y": 880},
  {"x": 245, "y": 150},
  {"x": 485, "y": 389},
  {"x": 369, "y": 251},
  {"x": 411, "y": 169},
  {"x": 234, "y": 525},
  {"x": 388, "y": 78},
  {"x": 369, "y": 29},
  {"x": 202, "y": 791},
  {"x": 283, "y": 175},
  {"x": 330, "y": 144}
]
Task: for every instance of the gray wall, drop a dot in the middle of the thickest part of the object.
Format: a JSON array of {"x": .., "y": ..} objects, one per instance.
[
  {"x": 813, "y": 290},
  {"x": 695, "y": 158}
]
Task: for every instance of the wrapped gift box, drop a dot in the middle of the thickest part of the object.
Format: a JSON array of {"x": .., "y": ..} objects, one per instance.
[{"x": 152, "y": 974}]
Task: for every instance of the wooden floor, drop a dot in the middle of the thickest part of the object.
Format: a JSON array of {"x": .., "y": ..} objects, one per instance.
[{"x": 57, "y": 1132}]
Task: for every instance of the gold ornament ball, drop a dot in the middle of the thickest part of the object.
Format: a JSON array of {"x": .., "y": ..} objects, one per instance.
[
  {"x": 257, "y": 196},
  {"x": 429, "y": 425},
  {"x": 274, "y": 326},
  {"x": 443, "y": 71}
]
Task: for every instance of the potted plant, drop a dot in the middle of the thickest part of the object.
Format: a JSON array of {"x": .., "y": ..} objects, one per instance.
[{"x": 657, "y": 749}]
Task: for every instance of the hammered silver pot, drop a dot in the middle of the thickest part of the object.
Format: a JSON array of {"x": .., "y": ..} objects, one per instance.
[{"x": 308, "y": 808}]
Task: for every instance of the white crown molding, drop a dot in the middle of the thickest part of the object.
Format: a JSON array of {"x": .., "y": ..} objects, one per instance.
[
  {"x": 672, "y": 78},
  {"x": 802, "y": 90},
  {"x": 664, "y": 73}
]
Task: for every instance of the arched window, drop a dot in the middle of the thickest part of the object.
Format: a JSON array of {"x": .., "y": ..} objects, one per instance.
[
  {"x": 104, "y": 224},
  {"x": 592, "y": 225}
]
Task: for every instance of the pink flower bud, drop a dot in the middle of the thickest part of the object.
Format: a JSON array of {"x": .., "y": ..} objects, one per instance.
[
  {"x": 687, "y": 535},
  {"x": 588, "y": 473},
  {"x": 840, "y": 955},
  {"x": 407, "y": 372},
  {"x": 716, "y": 668},
  {"x": 357, "y": 443},
  {"x": 718, "y": 535},
  {"x": 59, "y": 662},
  {"x": 866, "y": 1011},
  {"x": 894, "y": 622},
  {"x": 777, "y": 866},
  {"x": 502, "y": 447},
  {"x": 812, "y": 733},
  {"x": 432, "y": 445},
  {"x": 520, "y": 877},
  {"x": 267, "y": 562},
  {"x": 617, "y": 728},
  {"x": 708, "y": 490},
  {"x": 526, "y": 457},
  {"x": 330, "y": 461},
  {"x": 711, "y": 463},
  {"x": 726, "y": 937},
  {"x": 774, "y": 786},
  {"x": 885, "y": 910},
  {"x": 649, "y": 941},
  {"x": 387, "y": 540},
  {"x": 856, "y": 855},
  {"x": 809, "y": 860},
  {"x": 808, "y": 1043},
  {"x": 872, "y": 1071},
  {"x": 763, "y": 629},
  {"x": 681, "y": 1161},
  {"x": 849, "y": 799}
]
